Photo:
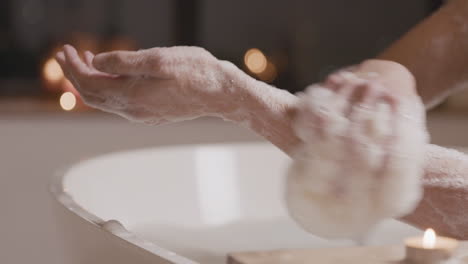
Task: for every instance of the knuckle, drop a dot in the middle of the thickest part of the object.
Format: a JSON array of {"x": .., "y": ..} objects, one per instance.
[
  {"x": 205, "y": 53},
  {"x": 200, "y": 50},
  {"x": 153, "y": 52},
  {"x": 389, "y": 98},
  {"x": 362, "y": 90},
  {"x": 112, "y": 59},
  {"x": 118, "y": 57},
  {"x": 371, "y": 85},
  {"x": 331, "y": 79},
  {"x": 153, "y": 63},
  {"x": 376, "y": 85}
]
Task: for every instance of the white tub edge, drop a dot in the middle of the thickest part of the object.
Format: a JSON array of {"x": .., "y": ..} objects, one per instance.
[{"x": 112, "y": 227}]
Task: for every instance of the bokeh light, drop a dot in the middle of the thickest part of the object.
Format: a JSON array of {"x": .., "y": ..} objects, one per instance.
[
  {"x": 67, "y": 101},
  {"x": 269, "y": 74},
  {"x": 52, "y": 71},
  {"x": 255, "y": 60}
]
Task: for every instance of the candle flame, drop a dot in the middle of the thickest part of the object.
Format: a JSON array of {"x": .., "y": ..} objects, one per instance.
[{"x": 429, "y": 239}]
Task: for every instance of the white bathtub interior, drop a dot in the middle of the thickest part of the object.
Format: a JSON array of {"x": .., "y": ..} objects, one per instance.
[{"x": 202, "y": 201}]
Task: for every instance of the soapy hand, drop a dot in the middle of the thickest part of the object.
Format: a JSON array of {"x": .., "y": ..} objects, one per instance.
[
  {"x": 361, "y": 157},
  {"x": 153, "y": 86}
]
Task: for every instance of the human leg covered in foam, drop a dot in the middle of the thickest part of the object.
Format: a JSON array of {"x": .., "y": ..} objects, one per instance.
[{"x": 361, "y": 159}]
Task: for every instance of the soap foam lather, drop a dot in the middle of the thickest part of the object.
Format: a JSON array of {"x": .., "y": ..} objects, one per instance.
[{"x": 353, "y": 171}]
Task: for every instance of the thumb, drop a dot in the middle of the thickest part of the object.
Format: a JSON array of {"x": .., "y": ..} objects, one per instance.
[{"x": 125, "y": 62}]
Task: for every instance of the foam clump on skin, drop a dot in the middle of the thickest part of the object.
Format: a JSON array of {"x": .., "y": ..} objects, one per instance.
[{"x": 356, "y": 170}]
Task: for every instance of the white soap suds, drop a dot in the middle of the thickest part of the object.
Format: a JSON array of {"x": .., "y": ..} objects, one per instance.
[{"x": 353, "y": 171}]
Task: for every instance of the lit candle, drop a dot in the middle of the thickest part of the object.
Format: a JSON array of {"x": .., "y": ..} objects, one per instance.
[{"x": 429, "y": 249}]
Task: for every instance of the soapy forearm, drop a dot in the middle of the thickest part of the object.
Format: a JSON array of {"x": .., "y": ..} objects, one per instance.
[
  {"x": 445, "y": 203},
  {"x": 262, "y": 108}
]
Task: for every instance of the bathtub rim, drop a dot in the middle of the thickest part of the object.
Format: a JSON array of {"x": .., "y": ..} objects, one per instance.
[{"x": 59, "y": 194}]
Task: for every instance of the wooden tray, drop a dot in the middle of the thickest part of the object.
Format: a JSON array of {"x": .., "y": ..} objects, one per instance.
[{"x": 356, "y": 255}]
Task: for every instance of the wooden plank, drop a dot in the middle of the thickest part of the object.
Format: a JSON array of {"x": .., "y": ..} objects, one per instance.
[{"x": 356, "y": 255}]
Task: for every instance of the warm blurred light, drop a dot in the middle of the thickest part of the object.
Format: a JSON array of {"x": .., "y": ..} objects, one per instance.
[
  {"x": 67, "y": 101},
  {"x": 269, "y": 74},
  {"x": 120, "y": 43},
  {"x": 429, "y": 238},
  {"x": 255, "y": 60},
  {"x": 85, "y": 41},
  {"x": 52, "y": 71}
]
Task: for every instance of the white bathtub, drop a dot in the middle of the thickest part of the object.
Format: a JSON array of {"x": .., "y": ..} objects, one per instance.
[{"x": 183, "y": 204}]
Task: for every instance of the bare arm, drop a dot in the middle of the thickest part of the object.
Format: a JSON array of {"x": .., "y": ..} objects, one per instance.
[
  {"x": 266, "y": 110},
  {"x": 162, "y": 85},
  {"x": 445, "y": 203},
  {"x": 436, "y": 52}
]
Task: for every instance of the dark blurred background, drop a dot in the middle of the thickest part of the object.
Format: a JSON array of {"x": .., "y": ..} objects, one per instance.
[{"x": 287, "y": 43}]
